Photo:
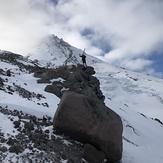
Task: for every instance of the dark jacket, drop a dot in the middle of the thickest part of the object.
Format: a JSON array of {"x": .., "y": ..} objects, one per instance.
[{"x": 83, "y": 58}]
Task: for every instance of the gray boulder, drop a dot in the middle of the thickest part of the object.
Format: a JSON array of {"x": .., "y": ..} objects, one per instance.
[
  {"x": 92, "y": 155},
  {"x": 55, "y": 89},
  {"x": 1, "y": 82},
  {"x": 8, "y": 73},
  {"x": 16, "y": 148},
  {"x": 43, "y": 81},
  {"x": 90, "y": 122}
]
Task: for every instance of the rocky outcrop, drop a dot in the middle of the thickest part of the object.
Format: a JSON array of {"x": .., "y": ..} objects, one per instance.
[
  {"x": 82, "y": 115},
  {"x": 71, "y": 78},
  {"x": 19, "y": 60},
  {"x": 8, "y": 73},
  {"x": 54, "y": 89},
  {"x": 90, "y": 121}
]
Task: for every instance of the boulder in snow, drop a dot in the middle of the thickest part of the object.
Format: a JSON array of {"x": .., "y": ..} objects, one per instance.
[{"x": 89, "y": 121}]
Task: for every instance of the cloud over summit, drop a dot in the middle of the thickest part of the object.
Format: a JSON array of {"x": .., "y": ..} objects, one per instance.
[{"x": 121, "y": 32}]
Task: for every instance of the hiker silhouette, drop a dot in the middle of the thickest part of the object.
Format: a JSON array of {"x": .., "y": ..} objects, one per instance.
[{"x": 83, "y": 56}]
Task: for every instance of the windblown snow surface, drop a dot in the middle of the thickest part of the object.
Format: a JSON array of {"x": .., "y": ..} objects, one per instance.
[{"x": 137, "y": 98}]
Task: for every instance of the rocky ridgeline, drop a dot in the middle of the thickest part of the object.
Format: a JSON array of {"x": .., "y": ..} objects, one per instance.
[
  {"x": 15, "y": 59},
  {"x": 89, "y": 121},
  {"x": 82, "y": 113},
  {"x": 72, "y": 78}
]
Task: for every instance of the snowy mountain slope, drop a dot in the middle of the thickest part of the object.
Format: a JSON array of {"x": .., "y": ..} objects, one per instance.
[
  {"x": 53, "y": 52},
  {"x": 137, "y": 91},
  {"x": 136, "y": 97},
  {"x": 12, "y": 99}
]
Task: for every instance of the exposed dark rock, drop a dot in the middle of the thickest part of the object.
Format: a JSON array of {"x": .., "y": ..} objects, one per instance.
[
  {"x": 16, "y": 59},
  {"x": 54, "y": 89},
  {"x": 49, "y": 74},
  {"x": 75, "y": 78},
  {"x": 8, "y": 73},
  {"x": 43, "y": 81},
  {"x": 85, "y": 75},
  {"x": 43, "y": 146},
  {"x": 78, "y": 77},
  {"x": 38, "y": 74},
  {"x": 16, "y": 148},
  {"x": 63, "y": 72},
  {"x": 1, "y": 82},
  {"x": 3, "y": 149},
  {"x": 51, "y": 147},
  {"x": 92, "y": 155},
  {"x": 1, "y": 71},
  {"x": 11, "y": 141},
  {"x": 45, "y": 104},
  {"x": 29, "y": 126},
  {"x": 89, "y": 121},
  {"x": 24, "y": 93},
  {"x": 156, "y": 119},
  {"x": 2, "y": 140},
  {"x": 89, "y": 70},
  {"x": 57, "y": 83},
  {"x": 16, "y": 123},
  {"x": 39, "y": 96}
]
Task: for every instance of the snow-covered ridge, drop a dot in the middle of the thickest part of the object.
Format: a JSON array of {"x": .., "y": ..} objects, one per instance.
[{"x": 54, "y": 52}]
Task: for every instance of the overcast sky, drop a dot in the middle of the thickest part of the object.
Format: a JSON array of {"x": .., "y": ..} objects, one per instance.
[{"x": 128, "y": 33}]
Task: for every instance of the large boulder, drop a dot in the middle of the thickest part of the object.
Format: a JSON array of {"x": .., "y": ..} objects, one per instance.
[{"x": 89, "y": 121}]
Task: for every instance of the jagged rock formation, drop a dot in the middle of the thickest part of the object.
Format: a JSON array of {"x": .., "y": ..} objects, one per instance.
[
  {"x": 81, "y": 80},
  {"x": 74, "y": 78},
  {"x": 93, "y": 113}
]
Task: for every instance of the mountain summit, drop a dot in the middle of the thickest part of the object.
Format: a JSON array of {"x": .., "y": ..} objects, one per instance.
[{"x": 53, "y": 51}]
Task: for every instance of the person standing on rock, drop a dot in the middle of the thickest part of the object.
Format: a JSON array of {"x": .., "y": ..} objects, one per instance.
[{"x": 83, "y": 56}]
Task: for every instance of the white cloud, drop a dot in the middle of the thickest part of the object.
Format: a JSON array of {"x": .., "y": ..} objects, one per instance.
[
  {"x": 21, "y": 25},
  {"x": 137, "y": 64},
  {"x": 132, "y": 30},
  {"x": 154, "y": 73}
]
